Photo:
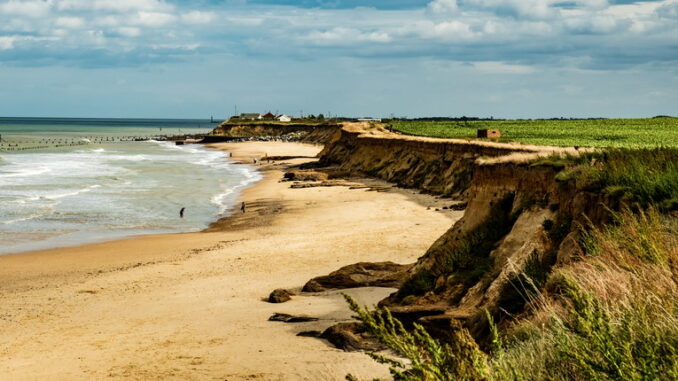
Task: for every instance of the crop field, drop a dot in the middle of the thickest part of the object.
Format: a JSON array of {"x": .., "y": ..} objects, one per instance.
[{"x": 630, "y": 133}]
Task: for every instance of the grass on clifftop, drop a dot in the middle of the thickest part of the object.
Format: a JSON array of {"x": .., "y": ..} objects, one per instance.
[
  {"x": 642, "y": 176},
  {"x": 633, "y": 133}
]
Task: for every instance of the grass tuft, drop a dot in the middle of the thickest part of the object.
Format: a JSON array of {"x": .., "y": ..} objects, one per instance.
[
  {"x": 644, "y": 176},
  {"x": 639, "y": 235},
  {"x": 426, "y": 358},
  {"x": 612, "y": 315}
]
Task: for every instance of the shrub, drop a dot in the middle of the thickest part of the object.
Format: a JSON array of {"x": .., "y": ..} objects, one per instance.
[
  {"x": 638, "y": 342},
  {"x": 429, "y": 359},
  {"x": 643, "y": 176},
  {"x": 594, "y": 342},
  {"x": 641, "y": 235},
  {"x": 583, "y": 333}
]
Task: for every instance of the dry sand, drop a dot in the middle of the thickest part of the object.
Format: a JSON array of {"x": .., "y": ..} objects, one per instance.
[{"x": 189, "y": 306}]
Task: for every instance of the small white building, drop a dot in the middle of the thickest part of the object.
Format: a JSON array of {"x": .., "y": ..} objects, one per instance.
[{"x": 284, "y": 118}]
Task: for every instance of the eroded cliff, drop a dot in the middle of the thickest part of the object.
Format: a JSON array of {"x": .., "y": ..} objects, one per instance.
[
  {"x": 317, "y": 133},
  {"x": 520, "y": 220}
]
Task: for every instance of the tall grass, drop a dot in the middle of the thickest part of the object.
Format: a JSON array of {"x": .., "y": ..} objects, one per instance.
[
  {"x": 643, "y": 176},
  {"x": 611, "y": 315},
  {"x": 427, "y": 358},
  {"x": 637, "y": 340},
  {"x": 645, "y": 236}
]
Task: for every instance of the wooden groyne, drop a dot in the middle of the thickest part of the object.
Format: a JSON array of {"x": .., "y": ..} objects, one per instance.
[{"x": 11, "y": 144}]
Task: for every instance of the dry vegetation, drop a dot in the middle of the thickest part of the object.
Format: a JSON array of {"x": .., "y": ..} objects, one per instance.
[{"x": 611, "y": 313}]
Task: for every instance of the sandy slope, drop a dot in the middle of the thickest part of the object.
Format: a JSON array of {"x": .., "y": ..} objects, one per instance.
[{"x": 188, "y": 306}]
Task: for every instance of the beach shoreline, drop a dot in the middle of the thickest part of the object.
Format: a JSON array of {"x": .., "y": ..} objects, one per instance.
[
  {"x": 189, "y": 305},
  {"x": 100, "y": 193},
  {"x": 169, "y": 242}
]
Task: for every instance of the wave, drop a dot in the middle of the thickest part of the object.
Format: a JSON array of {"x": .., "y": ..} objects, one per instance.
[
  {"x": 115, "y": 189},
  {"x": 137, "y": 157},
  {"x": 167, "y": 145},
  {"x": 25, "y": 218},
  {"x": 42, "y": 211},
  {"x": 225, "y": 200},
  {"x": 25, "y": 172},
  {"x": 57, "y": 196}
]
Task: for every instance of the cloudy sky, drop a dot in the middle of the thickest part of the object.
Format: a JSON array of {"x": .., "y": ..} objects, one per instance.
[{"x": 501, "y": 58}]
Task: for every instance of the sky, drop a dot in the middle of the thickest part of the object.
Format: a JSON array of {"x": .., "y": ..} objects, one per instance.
[{"x": 414, "y": 58}]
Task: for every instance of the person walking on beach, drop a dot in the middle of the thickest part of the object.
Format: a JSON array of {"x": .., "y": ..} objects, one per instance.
[
  {"x": 242, "y": 207},
  {"x": 181, "y": 213}
]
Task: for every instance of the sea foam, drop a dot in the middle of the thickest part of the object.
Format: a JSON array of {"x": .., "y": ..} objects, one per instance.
[{"x": 90, "y": 193}]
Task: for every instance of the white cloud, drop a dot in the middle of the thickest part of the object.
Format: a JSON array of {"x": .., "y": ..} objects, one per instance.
[
  {"x": 187, "y": 47},
  {"x": 592, "y": 4},
  {"x": 536, "y": 9},
  {"x": 154, "y": 19},
  {"x": 32, "y": 9},
  {"x": 6, "y": 42},
  {"x": 69, "y": 22},
  {"x": 106, "y": 21},
  {"x": 668, "y": 10},
  {"x": 9, "y": 42},
  {"x": 451, "y": 30},
  {"x": 595, "y": 24},
  {"x": 198, "y": 17},
  {"x": 245, "y": 21},
  {"x": 114, "y": 5},
  {"x": 128, "y": 31},
  {"x": 496, "y": 67},
  {"x": 344, "y": 36},
  {"x": 483, "y": 31},
  {"x": 443, "y": 6}
]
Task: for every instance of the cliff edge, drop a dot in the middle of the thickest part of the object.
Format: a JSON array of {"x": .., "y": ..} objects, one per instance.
[{"x": 523, "y": 220}]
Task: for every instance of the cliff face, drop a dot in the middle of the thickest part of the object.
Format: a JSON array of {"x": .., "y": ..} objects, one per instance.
[
  {"x": 438, "y": 166},
  {"x": 304, "y": 132},
  {"x": 519, "y": 224},
  {"x": 519, "y": 221}
]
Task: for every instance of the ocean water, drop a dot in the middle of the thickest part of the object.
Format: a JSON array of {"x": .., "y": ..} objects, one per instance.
[{"x": 65, "y": 182}]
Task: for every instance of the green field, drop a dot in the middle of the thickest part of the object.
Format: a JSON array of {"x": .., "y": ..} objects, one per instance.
[{"x": 632, "y": 133}]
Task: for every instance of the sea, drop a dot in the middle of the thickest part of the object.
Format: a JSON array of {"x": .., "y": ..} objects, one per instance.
[{"x": 66, "y": 181}]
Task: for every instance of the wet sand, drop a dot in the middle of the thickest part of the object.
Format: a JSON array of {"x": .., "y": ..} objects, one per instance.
[{"x": 189, "y": 306}]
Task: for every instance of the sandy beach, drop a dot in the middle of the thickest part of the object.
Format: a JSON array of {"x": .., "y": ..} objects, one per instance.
[{"x": 190, "y": 306}]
